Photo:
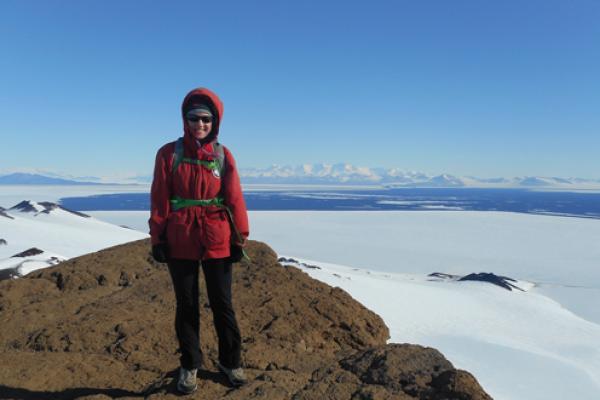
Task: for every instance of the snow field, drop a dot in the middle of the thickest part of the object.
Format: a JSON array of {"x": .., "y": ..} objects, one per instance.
[{"x": 59, "y": 234}]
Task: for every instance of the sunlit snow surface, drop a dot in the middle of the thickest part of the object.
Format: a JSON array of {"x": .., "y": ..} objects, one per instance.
[
  {"x": 543, "y": 343},
  {"x": 60, "y": 234}
]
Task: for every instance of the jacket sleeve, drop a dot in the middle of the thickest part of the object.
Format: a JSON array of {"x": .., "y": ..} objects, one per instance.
[
  {"x": 234, "y": 199},
  {"x": 160, "y": 196}
]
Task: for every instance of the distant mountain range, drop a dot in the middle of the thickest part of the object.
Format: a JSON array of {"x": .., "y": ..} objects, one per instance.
[
  {"x": 21, "y": 178},
  {"x": 393, "y": 177},
  {"x": 336, "y": 174},
  {"x": 26, "y": 178}
]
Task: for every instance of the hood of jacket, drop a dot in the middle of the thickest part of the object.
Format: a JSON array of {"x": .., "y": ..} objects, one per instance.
[{"x": 203, "y": 96}]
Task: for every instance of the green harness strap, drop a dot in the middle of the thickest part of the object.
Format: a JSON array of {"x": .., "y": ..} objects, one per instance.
[
  {"x": 178, "y": 202},
  {"x": 212, "y": 164},
  {"x": 217, "y": 166}
]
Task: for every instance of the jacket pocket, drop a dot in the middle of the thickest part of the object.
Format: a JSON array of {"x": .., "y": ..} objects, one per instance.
[
  {"x": 179, "y": 229},
  {"x": 216, "y": 229}
]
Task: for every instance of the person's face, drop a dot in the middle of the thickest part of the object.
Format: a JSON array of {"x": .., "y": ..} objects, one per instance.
[{"x": 199, "y": 123}]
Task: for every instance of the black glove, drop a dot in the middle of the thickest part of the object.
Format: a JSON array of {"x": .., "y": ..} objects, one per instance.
[
  {"x": 236, "y": 253},
  {"x": 160, "y": 252}
]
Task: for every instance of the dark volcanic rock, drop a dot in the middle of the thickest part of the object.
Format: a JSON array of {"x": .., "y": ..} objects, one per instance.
[
  {"x": 501, "y": 281},
  {"x": 5, "y": 215},
  {"x": 29, "y": 252},
  {"x": 102, "y": 326},
  {"x": 48, "y": 207},
  {"x": 9, "y": 273},
  {"x": 27, "y": 206},
  {"x": 293, "y": 261},
  {"x": 24, "y": 206},
  {"x": 442, "y": 275}
]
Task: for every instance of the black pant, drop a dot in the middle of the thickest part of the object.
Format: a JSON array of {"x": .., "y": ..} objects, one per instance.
[{"x": 217, "y": 273}]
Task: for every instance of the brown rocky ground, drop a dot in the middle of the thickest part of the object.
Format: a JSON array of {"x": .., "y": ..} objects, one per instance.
[{"x": 101, "y": 326}]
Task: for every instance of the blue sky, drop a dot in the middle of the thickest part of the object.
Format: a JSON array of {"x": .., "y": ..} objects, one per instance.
[{"x": 482, "y": 88}]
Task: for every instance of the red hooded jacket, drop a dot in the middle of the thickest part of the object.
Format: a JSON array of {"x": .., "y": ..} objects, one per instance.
[{"x": 196, "y": 233}]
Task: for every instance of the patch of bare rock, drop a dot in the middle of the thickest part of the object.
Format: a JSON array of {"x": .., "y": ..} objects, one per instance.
[{"x": 101, "y": 326}]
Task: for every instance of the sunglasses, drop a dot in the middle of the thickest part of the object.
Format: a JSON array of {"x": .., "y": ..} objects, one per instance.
[{"x": 195, "y": 118}]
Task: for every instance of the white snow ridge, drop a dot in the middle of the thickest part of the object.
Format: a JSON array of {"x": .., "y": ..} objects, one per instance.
[{"x": 36, "y": 235}]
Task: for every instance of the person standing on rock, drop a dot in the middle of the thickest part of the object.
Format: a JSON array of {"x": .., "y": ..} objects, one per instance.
[{"x": 198, "y": 216}]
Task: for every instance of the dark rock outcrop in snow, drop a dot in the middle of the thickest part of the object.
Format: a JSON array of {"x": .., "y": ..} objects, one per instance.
[
  {"x": 24, "y": 206},
  {"x": 52, "y": 206},
  {"x": 28, "y": 206},
  {"x": 101, "y": 326},
  {"x": 442, "y": 275},
  {"x": 502, "y": 281},
  {"x": 4, "y": 214},
  {"x": 8, "y": 273},
  {"x": 284, "y": 260},
  {"x": 29, "y": 252},
  {"x": 3, "y": 242}
]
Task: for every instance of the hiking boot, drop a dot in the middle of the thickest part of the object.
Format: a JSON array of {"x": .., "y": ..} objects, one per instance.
[
  {"x": 235, "y": 376},
  {"x": 187, "y": 380}
]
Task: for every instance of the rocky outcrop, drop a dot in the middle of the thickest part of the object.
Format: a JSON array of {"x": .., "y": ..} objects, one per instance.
[
  {"x": 4, "y": 214},
  {"x": 101, "y": 326},
  {"x": 34, "y": 251},
  {"x": 502, "y": 281},
  {"x": 393, "y": 371},
  {"x": 44, "y": 207}
]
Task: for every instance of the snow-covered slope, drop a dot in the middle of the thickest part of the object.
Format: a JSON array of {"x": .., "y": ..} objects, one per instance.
[
  {"x": 31, "y": 260},
  {"x": 57, "y": 232}
]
